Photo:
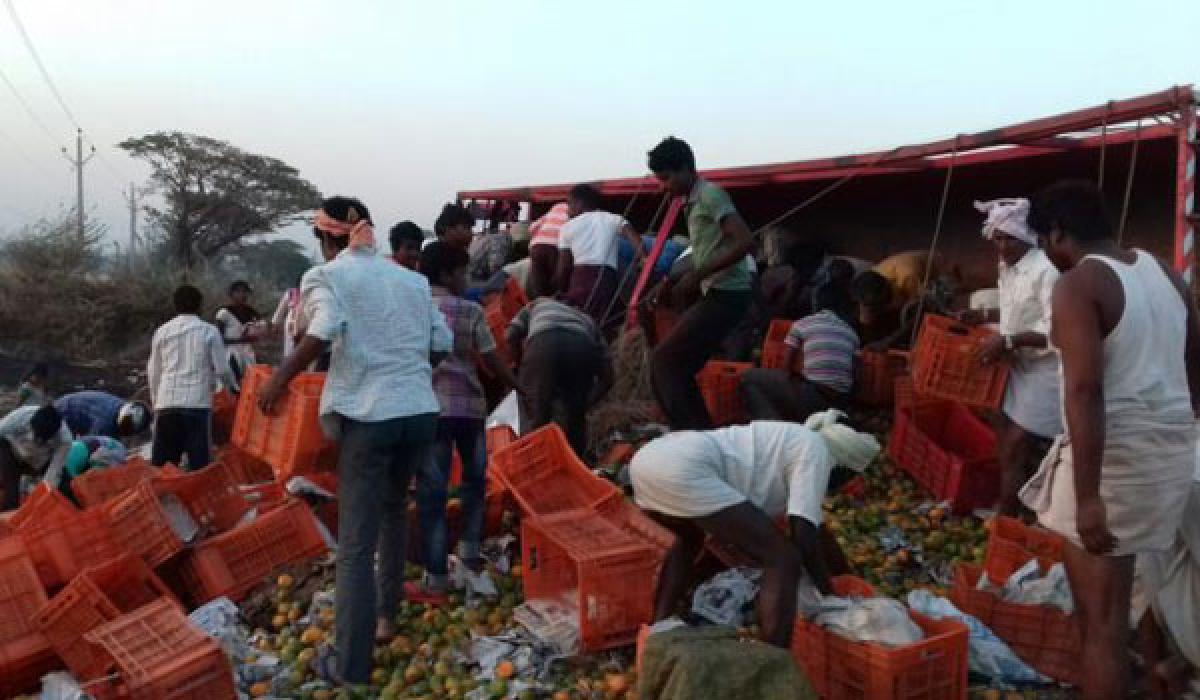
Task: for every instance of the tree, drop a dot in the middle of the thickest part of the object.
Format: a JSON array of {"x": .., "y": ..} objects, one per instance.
[
  {"x": 279, "y": 262},
  {"x": 214, "y": 194}
]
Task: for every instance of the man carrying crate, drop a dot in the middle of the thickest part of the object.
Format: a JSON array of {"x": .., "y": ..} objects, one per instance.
[
  {"x": 1031, "y": 412},
  {"x": 1116, "y": 484},
  {"x": 378, "y": 402}
]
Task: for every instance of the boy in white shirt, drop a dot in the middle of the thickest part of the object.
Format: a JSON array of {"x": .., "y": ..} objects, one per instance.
[{"x": 587, "y": 253}]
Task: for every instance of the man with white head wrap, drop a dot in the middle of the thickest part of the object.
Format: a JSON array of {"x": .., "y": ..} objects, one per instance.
[
  {"x": 733, "y": 484},
  {"x": 1032, "y": 410}
]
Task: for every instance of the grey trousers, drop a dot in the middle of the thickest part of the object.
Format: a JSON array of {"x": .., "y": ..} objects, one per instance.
[{"x": 376, "y": 463}]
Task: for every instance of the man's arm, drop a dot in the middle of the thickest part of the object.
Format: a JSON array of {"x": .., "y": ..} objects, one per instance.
[
  {"x": 1080, "y": 340},
  {"x": 216, "y": 354},
  {"x": 805, "y": 537},
  {"x": 518, "y": 328},
  {"x": 631, "y": 235},
  {"x": 154, "y": 368},
  {"x": 732, "y": 227}
]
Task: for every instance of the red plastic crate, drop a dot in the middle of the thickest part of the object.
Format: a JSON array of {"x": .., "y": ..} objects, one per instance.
[
  {"x": 511, "y": 299},
  {"x": 24, "y": 650},
  {"x": 497, "y": 320},
  {"x": 211, "y": 496},
  {"x": 43, "y": 506},
  {"x": 628, "y": 517},
  {"x": 774, "y": 349},
  {"x": 61, "y": 549},
  {"x": 934, "y": 668},
  {"x": 719, "y": 386},
  {"x": 608, "y": 572},
  {"x": 140, "y": 524},
  {"x": 159, "y": 654},
  {"x": 1011, "y": 544},
  {"x": 499, "y": 436},
  {"x": 945, "y": 364},
  {"x": 243, "y": 467},
  {"x": 875, "y": 382},
  {"x": 98, "y": 595},
  {"x": 1043, "y": 636},
  {"x": 233, "y": 563},
  {"x": 948, "y": 451},
  {"x": 224, "y": 411},
  {"x": 290, "y": 439},
  {"x": 95, "y": 487},
  {"x": 544, "y": 476}
]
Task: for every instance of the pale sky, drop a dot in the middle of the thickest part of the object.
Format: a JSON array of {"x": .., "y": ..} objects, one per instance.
[{"x": 404, "y": 103}]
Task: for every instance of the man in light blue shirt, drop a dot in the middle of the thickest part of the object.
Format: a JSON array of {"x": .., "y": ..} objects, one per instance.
[{"x": 385, "y": 333}]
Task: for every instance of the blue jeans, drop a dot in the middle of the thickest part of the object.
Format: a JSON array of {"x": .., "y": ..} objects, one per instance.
[
  {"x": 376, "y": 461},
  {"x": 469, "y": 436}
]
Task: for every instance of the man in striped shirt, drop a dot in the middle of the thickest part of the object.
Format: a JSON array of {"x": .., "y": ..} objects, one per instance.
[
  {"x": 818, "y": 369},
  {"x": 543, "y": 251},
  {"x": 187, "y": 358}
]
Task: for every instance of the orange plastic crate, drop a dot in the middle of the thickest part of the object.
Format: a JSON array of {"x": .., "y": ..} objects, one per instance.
[
  {"x": 544, "y": 476},
  {"x": 945, "y": 364},
  {"x": 497, "y": 320},
  {"x": 98, "y": 595},
  {"x": 934, "y": 668},
  {"x": 1043, "y": 636},
  {"x": 1011, "y": 544},
  {"x": 499, "y": 436},
  {"x": 61, "y": 549},
  {"x": 211, "y": 496},
  {"x": 629, "y": 518},
  {"x": 290, "y": 439},
  {"x": 24, "y": 650},
  {"x": 875, "y": 383},
  {"x": 774, "y": 349},
  {"x": 511, "y": 299},
  {"x": 95, "y": 487},
  {"x": 719, "y": 386},
  {"x": 224, "y": 411},
  {"x": 140, "y": 524},
  {"x": 43, "y": 506},
  {"x": 243, "y": 467},
  {"x": 159, "y": 654},
  {"x": 233, "y": 563},
  {"x": 948, "y": 451},
  {"x": 609, "y": 573}
]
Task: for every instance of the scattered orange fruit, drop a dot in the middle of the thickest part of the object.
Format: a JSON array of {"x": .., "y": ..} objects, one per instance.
[
  {"x": 260, "y": 689},
  {"x": 505, "y": 670}
]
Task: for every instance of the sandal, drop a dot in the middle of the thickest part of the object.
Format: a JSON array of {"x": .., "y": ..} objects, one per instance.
[{"x": 420, "y": 593}]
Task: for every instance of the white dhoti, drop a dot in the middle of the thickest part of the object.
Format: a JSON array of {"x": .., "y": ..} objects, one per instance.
[
  {"x": 1169, "y": 583},
  {"x": 1145, "y": 480},
  {"x": 1032, "y": 399}
]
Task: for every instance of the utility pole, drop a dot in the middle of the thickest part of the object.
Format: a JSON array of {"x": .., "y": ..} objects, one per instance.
[
  {"x": 78, "y": 162},
  {"x": 132, "y": 200}
]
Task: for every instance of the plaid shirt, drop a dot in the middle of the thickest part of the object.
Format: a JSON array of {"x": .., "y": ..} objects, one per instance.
[{"x": 455, "y": 380}]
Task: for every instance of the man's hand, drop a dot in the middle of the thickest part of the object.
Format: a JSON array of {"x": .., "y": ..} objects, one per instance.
[
  {"x": 686, "y": 289},
  {"x": 270, "y": 393},
  {"x": 971, "y": 317},
  {"x": 1091, "y": 520},
  {"x": 990, "y": 350}
]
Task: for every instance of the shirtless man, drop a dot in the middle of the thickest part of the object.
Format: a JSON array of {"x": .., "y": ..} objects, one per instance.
[{"x": 1116, "y": 483}]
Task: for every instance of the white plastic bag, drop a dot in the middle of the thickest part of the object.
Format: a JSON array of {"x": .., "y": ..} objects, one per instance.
[
  {"x": 507, "y": 412},
  {"x": 61, "y": 685},
  {"x": 987, "y": 654},
  {"x": 722, "y": 599},
  {"x": 881, "y": 620}
]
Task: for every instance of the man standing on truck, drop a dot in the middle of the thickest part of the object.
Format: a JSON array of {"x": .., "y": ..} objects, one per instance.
[
  {"x": 1115, "y": 485},
  {"x": 587, "y": 253},
  {"x": 1032, "y": 409},
  {"x": 716, "y": 291}
]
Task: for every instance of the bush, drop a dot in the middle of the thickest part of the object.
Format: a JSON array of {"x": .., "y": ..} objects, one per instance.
[{"x": 61, "y": 297}]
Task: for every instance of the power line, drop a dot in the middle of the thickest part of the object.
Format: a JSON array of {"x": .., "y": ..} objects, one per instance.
[
  {"x": 28, "y": 110},
  {"x": 12, "y": 12}
]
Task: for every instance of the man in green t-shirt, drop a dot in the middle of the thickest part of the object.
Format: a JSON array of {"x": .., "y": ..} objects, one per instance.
[{"x": 719, "y": 281}]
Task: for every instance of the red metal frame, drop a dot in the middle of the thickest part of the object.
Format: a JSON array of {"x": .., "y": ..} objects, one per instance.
[
  {"x": 1029, "y": 138},
  {"x": 664, "y": 232}
]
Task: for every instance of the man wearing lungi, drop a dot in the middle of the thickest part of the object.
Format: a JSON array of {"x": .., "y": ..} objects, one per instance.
[
  {"x": 1032, "y": 411},
  {"x": 1116, "y": 483}
]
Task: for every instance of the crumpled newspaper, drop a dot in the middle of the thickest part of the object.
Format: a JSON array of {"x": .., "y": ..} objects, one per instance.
[
  {"x": 555, "y": 622},
  {"x": 987, "y": 653},
  {"x": 874, "y": 619},
  {"x": 725, "y": 598},
  {"x": 1028, "y": 586}
]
